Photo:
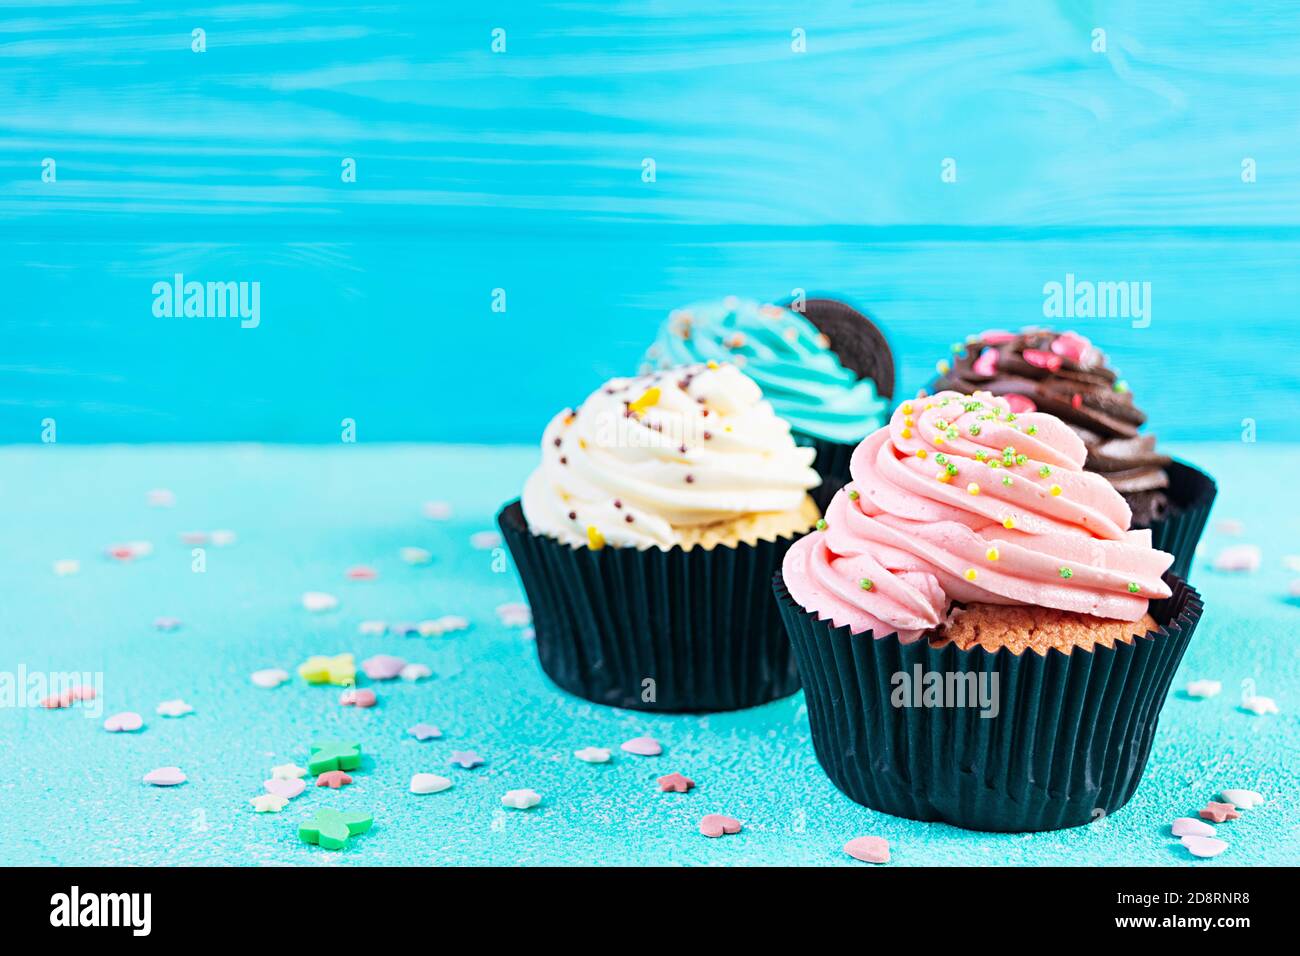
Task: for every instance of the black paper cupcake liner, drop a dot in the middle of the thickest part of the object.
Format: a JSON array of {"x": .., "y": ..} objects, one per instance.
[
  {"x": 701, "y": 625},
  {"x": 1068, "y": 744},
  {"x": 1191, "y": 494}
]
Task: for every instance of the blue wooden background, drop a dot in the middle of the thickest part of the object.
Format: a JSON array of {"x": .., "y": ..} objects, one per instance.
[{"x": 522, "y": 171}]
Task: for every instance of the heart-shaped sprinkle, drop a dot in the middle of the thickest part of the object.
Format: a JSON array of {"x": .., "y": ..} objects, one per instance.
[
  {"x": 284, "y": 787},
  {"x": 1243, "y": 799},
  {"x": 1190, "y": 826},
  {"x": 485, "y": 540},
  {"x": 383, "y": 666},
  {"x": 521, "y": 799},
  {"x": 165, "y": 777},
  {"x": 986, "y": 366},
  {"x": 642, "y": 747},
  {"x": 361, "y": 572},
  {"x": 318, "y": 601},
  {"x": 593, "y": 754},
  {"x": 167, "y": 623},
  {"x": 269, "y": 678},
  {"x": 1239, "y": 558},
  {"x": 429, "y": 783},
  {"x": 868, "y": 849},
  {"x": 715, "y": 824},
  {"x": 365, "y": 697},
  {"x": 1204, "y": 846},
  {"x": 127, "y": 721}
]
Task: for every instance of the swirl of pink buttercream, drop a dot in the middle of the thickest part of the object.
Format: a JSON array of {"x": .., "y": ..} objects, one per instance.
[{"x": 960, "y": 499}]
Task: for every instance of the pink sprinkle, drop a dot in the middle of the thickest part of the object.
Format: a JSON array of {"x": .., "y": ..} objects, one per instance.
[
  {"x": 362, "y": 572},
  {"x": 715, "y": 824},
  {"x": 1020, "y": 404},
  {"x": 1204, "y": 846},
  {"x": 1072, "y": 346},
  {"x": 285, "y": 788},
  {"x": 1218, "y": 812},
  {"x": 167, "y": 623},
  {"x": 1041, "y": 359},
  {"x": 868, "y": 849},
  {"x": 57, "y": 701},
  {"x": 1189, "y": 826},
  {"x": 365, "y": 697},
  {"x": 675, "y": 783},
  {"x": 642, "y": 747},
  {"x": 383, "y": 666},
  {"x": 1239, "y": 558},
  {"x": 121, "y": 552},
  {"x": 194, "y": 537},
  {"x": 986, "y": 365},
  {"x": 82, "y": 693},
  {"x": 332, "y": 779},
  {"x": 127, "y": 721},
  {"x": 997, "y": 337}
]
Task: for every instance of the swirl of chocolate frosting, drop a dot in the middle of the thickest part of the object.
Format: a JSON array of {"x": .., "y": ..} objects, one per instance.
[{"x": 1064, "y": 375}]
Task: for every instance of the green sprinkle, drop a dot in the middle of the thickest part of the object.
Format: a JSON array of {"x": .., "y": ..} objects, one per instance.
[
  {"x": 979, "y": 455},
  {"x": 974, "y": 430},
  {"x": 866, "y": 584},
  {"x": 1067, "y": 573},
  {"x": 1006, "y": 480},
  {"x": 853, "y": 496},
  {"x": 1011, "y": 417},
  {"x": 1121, "y": 386},
  {"x": 1133, "y": 587},
  {"x": 951, "y": 433},
  {"x": 950, "y": 468},
  {"x": 821, "y": 524},
  {"x": 994, "y": 463},
  {"x": 940, "y": 424},
  {"x": 1008, "y": 451},
  {"x": 1032, "y": 430},
  {"x": 941, "y": 459},
  {"x": 1021, "y": 459},
  {"x": 957, "y": 348},
  {"x": 1044, "y": 472},
  {"x": 973, "y": 406}
]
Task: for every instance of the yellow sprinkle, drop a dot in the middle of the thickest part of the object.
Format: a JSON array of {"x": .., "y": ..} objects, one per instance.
[
  {"x": 595, "y": 540},
  {"x": 906, "y": 433},
  {"x": 712, "y": 364},
  {"x": 970, "y": 574},
  {"x": 648, "y": 400},
  {"x": 907, "y": 420},
  {"x": 943, "y": 476},
  {"x": 582, "y": 443},
  {"x": 991, "y": 554},
  {"x": 1054, "y": 490},
  {"x": 929, "y": 405},
  {"x": 972, "y": 489},
  {"x": 1008, "y": 522},
  {"x": 922, "y": 453},
  {"x": 727, "y": 428},
  {"x": 907, "y": 408},
  {"x": 938, "y": 439}
]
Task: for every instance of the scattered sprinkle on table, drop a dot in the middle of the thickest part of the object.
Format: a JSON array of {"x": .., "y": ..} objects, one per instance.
[
  {"x": 66, "y": 566},
  {"x": 334, "y": 755},
  {"x": 1242, "y": 799},
  {"x": 521, "y": 799},
  {"x": 362, "y": 697},
  {"x": 1190, "y": 826},
  {"x": 416, "y": 555},
  {"x": 485, "y": 540},
  {"x": 165, "y": 777},
  {"x": 194, "y": 537},
  {"x": 331, "y": 828},
  {"x": 339, "y": 670},
  {"x": 284, "y": 787},
  {"x": 318, "y": 601},
  {"x": 373, "y": 628},
  {"x": 868, "y": 849},
  {"x": 160, "y": 498},
  {"x": 288, "y": 771},
  {"x": 424, "y": 732},
  {"x": 1204, "y": 846},
  {"x": 715, "y": 825},
  {"x": 515, "y": 614},
  {"x": 429, "y": 783},
  {"x": 223, "y": 538},
  {"x": 333, "y": 779},
  {"x": 1243, "y": 558},
  {"x": 1204, "y": 688},
  {"x": 174, "y": 708},
  {"x": 383, "y": 666},
  {"x": 125, "y": 722},
  {"x": 1219, "y": 812},
  {"x": 270, "y": 678},
  {"x": 642, "y": 747},
  {"x": 436, "y": 510},
  {"x": 416, "y": 672},
  {"x": 466, "y": 759},
  {"x": 361, "y": 572},
  {"x": 675, "y": 783},
  {"x": 447, "y": 624},
  {"x": 167, "y": 623},
  {"x": 268, "y": 803},
  {"x": 593, "y": 754}
]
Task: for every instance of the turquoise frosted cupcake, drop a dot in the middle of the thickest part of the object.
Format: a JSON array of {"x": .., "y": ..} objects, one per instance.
[{"x": 826, "y": 370}]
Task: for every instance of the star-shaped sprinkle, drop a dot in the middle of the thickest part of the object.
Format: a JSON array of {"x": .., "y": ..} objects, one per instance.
[
  {"x": 429, "y": 783},
  {"x": 643, "y": 746},
  {"x": 1242, "y": 799},
  {"x": 675, "y": 783},
  {"x": 593, "y": 754},
  {"x": 269, "y": 803},
  {"x": 424, "y": 732},
  {"x": 339, "y": 670},
  {"x": 270, "y": 678},
  {"x": 174, "y": 708},
  {"x": 715, "y": 824},
  {"x": 466, "y": 759},
  {"x": 1204, "y": 688},
  {"x": 868, "y": 849},
  {"x": 333, "y": 779},
  {"x": 521, "y": 799},
  {"x": 318, "y": 601},
  {"x": 334, "y": 755},
  {"x": 382, "y": 666},
  {"x": 1219, "y": 812},
  {"x": 288, "y": 771},
  {"x": 365, "y": 697},
  {"x": 331, "y": 828},
  {"x": 416, "y": 672}
]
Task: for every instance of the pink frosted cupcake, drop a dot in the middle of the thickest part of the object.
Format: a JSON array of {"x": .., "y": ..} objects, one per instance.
[{"x": 971, "y": 544}]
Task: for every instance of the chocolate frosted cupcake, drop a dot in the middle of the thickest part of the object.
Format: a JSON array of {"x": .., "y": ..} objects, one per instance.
[
  {"x": 981, "y": 637},
  {"x": 647, "y": 539},
  {"x": 827, "y": 370},
  {"x": 1064, "y": 375}
]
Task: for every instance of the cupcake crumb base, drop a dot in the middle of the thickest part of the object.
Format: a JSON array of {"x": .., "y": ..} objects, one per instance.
[{"x": 994, "y": 626}]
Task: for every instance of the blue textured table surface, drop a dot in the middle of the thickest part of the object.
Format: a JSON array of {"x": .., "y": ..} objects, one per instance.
[{"x": 73, "y": 793}]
